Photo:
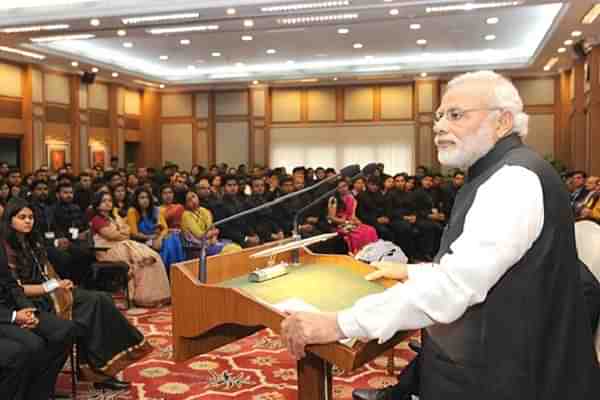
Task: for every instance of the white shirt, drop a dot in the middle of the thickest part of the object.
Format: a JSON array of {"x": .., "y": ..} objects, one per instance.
[{"x": 505, "y": 219}]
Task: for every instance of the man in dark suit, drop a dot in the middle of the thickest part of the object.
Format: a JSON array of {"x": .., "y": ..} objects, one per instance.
[{"x": 33, "y": 345}]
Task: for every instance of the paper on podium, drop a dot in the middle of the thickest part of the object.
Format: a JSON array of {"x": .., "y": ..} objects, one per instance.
[{"x": 293, "y": 245}]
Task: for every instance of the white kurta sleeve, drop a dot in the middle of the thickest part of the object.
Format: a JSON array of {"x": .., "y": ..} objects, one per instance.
[{"x": 505, "y": 219}]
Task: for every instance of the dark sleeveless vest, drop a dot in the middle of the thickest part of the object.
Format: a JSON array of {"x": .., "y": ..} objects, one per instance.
[{"x": 530, "y": 338}]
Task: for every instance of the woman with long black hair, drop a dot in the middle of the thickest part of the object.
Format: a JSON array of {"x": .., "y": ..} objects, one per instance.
[{"x": 107, "y": 343}]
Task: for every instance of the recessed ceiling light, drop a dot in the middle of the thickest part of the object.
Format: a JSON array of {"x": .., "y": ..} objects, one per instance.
[
  {"x": 492, "y": 20},
  {"x": 591, "y": 15},
  {"x": 230, "y": 11},
  {"x": 164, "y": 58},
  {"x": 576, "y": 33},
  {"x": 247, "y": 38},
  {"x": 562, "y": 50},
  {"x": 343, "y": 31},
  {"x": 387, "y": 1},
  {"x": 568, "y": 42},
  {"x": 551, "y": 63},
  {"x": 162, "y": 86},
  {"x": 122, "y": 32},
  {"x": 255, "y": 82},
  {"x": 306, "y": 6},
  {"x": 423, "y": 74},
  {"x": 335, "y": 78},
  {"x": 128, "y": 45},
  {"x": 472, "y": 6},
  {"x": 415, "y": 27},
  {"x": 271, "y": 51},
  {"x": 394, "y": 11},
  {"x": 215, "y": 54},
  {"x": 115, "y": 74},
  {"x": 22, "y": 53},
  {"x": 181, "y": 29},
  {"x": 248, "y": 23},
  {"x": 357, "y": 45},
  {"x": 490, "y": 37},
  {"x": 547, "y": 68},
  {"x": 75, "y": 64},
  {"x": 46, "y": 39},
  {"x": 422, "y": 42},
  {"x": 95, "y": 70},
  {"x": 158, "y": 18},
  {"x": 185, "y": 42},
  {"x": 37, "y": 28},
  {"x": 95, "y": 22},
  {"x": 309, "y": 19}
]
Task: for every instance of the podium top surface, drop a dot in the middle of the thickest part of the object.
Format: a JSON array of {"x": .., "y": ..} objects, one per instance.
[{"x": 328, "y": 287}]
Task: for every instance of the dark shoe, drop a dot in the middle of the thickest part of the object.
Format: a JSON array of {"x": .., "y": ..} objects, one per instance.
[
  {"x": 112, "y": 384},
  {"x": 372, "y": 394}
]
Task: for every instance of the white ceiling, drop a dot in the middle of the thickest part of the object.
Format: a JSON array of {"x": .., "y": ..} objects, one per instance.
[{"x": 526, "y": 36}]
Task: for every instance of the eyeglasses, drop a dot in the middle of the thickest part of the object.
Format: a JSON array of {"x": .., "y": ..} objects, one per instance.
[{"x": 456, "y": 114}]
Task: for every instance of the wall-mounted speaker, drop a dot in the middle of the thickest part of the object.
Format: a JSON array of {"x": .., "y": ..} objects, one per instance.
[
  {"x": 580, "y": 50},
  {"x": 88, "y": 78}
]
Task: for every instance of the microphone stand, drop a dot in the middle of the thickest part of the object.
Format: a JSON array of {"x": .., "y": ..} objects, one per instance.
[{"x": 202, "y": 272}]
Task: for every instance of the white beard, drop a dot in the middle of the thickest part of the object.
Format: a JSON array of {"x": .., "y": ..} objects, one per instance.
[{"x": 466, "y": 152}]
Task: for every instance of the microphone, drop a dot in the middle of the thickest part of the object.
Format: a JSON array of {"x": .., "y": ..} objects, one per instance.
[{"x": 202, "y": 272}]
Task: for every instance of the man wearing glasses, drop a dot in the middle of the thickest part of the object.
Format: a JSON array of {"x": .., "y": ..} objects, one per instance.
[{"x": 501, "y": 306}]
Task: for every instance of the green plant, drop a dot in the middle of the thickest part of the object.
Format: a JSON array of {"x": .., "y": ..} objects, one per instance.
[{"x": 558, "y": 165}]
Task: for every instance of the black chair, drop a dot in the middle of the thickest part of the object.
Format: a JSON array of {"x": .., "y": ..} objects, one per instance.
[{"x": 103, "y": 270}]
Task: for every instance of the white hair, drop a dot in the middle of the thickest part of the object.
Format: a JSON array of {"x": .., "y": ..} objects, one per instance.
[{"x": 504, "y": 96}]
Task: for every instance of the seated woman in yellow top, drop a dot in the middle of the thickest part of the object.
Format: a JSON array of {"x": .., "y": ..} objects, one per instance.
[
  {"x": 196, "y": 221},
  {"x": 147, "y": 224}
]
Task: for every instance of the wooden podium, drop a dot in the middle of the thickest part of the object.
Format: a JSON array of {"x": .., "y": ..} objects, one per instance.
[{"x": 208, "y": 316}]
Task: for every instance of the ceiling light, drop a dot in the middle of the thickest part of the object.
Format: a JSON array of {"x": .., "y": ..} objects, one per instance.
[
  {"x": 158, "y": 18},
  {"x": 423, "y": 74},
  {"x": 230, "y": 11},
  {"x": 490, "y": 37},
  {"x": 568, "y": 42},
  {"x": 385, "y": 68},
  {"x": 164, "y": 58},
  {"x": 343, "y": 31},
  {"x": 141, "y": 82},
  {"x": 561, "y": 50},
  {"x": 95, "y": 22},
  {"x": 306, "y": 6},
  {"x": 422, "y": 42},
  {"x": 255, "y": 82},
  {"x": 46, "y": 39},
  {"x": 357, "y": 45},
  {"x": 335, "y": 78},
  {"x": 271, "y": 51},
  {"x": 591, "y": 15},
  {"x": 115, "y": 74},
  {"x": 576, "y": 33},
  {"x": 22, "y": 53},
  {"x": 75, "y": 64},
  {"x": 185, "y": 42},
  {"x": 247, "y": 38},
  {"x": 38, "y": 28},
  {"x": 248, "y": 23},
  {"x": 229, "y": 75},
  {"x": 394, "y": 11},
  {"x": 551, "y": 63},
  {"x": 316, "y": 18},
  {"x": 387, "y": 1},
  {"x": 472, "y": 6},
  {"x": 181, "y": 29},
  {"x": 10, "y": 5},
  {"x": 122, "y": 32},
  {"x": 215, "y": 54},
  {"x": 162, "y": 86},
  {"x": 415, "y": 27},
  {"x": 95, "y": 70},
  {"x": 492, "y": 20},
  {"x": 309, "y": 80},
  {"x": 128, "y": 45}
]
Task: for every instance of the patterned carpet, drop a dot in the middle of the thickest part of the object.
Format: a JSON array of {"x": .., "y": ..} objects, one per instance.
[{"x": 255, "y": 368}]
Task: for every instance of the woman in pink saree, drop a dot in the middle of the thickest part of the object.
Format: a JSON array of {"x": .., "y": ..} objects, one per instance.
[{"x": 342, "y": 214}]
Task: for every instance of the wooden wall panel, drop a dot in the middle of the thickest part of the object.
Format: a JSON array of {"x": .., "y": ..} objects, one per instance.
[
  {"x": 132, "y": 123},
  {"x": 58, "y": 114},
  {"x": 426, "y": 147},
  {"x": 98, "y": 96},
  {"x": 231, "y": 103},
  {"x": 84, "y": 147},
  {"x": 177, "y": 144},
  {"x": 201, "y": 100},
  {"x": 99, "y": 119},
  {"x": 397, "y": 102},
  {"x": 56, "y": 88},
  {"x": 99, "y": 136},
  {"x": 11, "y": 126},
  {"x": 260, "y": 156},
  {"x": 57, "y": 132},
  {"x": 541, "y": 134},
  {"x": 176, "y": 105},
  {"x": 202, "y": 148},
  {"x": 286, "y": 105},
  {"x": 39, "y": 140},
  {"x": 83, "y": 97},
  {"x": 37, "y": 86},
  {"x": 11, "y": 109},
  {"x": 232, "y": 142},
  {"x": 321, "y": 104},
  {"x": 134, "y": 136},
  {"x": 133, "y": 102},
  {"x": 258, "y": 103},
  {"x": 536, "y": 91},
  {"x": 11, "y": 81},
  {"x": 358, "y": 103},
  {"x": 425, "y": 96}
]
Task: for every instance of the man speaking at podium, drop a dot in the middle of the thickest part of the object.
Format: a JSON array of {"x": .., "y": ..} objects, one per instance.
[{"x": 501, "y": 305}]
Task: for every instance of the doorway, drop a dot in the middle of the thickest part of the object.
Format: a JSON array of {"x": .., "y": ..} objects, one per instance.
[{"x": 10, "y": 151}]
